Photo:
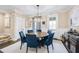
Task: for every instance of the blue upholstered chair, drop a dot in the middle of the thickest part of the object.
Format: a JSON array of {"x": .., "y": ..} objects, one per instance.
[
  {"x": 30, "y": 31},
  {"x": 39, "y": 31},
  {"x": 49, "y": 40},
  {"x": 32, "y": 42},
  {"x": 23, "y": 38}
]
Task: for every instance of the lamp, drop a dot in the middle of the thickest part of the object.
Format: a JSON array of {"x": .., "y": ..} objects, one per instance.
[
  {"x": 37, "y": 18},
  {"x": 38, "y": 14}
]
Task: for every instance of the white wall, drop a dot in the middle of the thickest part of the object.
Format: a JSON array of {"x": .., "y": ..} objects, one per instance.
[
  {"x": 59, "y": 32},
  {"x": 62, "y": 24},
  {"x": 19, "y": 26},
  {"x": 1, "y": 23},
  {"x": 74, "y": 15}
]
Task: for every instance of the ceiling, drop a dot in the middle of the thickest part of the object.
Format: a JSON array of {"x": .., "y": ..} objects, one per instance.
[{"x": 32, "y": 9}]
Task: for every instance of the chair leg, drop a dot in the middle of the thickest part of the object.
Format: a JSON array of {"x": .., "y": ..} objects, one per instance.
[
  {"x": 36, "y": 50},
  {"x": 21, "y": 46},
  {"x": 47, "y": 49},
  {"x": 27, "y": 49},
  {"x": 52, "y": 46}
]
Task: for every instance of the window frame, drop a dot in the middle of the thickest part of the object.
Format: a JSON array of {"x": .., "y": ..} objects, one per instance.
[{"x": 54, "y": 15}]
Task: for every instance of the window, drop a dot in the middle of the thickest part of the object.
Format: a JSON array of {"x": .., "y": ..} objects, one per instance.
[
  {"x": 52, "y": 23},
  {"x": 7, "y": 20}
]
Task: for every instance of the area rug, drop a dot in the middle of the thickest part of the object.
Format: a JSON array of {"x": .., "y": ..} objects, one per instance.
[{"x": 7, "y": 44}]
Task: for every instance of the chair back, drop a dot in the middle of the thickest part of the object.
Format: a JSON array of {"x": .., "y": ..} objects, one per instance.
[
  {"x": 22, "y": 36},
  {"x": 49, "y": 39},
  {"x": 38, "y": 30},
  {"x": 32, "y": 41},
  {"x": 30, "y": 31},
  {"x": 49, "y": 32}
]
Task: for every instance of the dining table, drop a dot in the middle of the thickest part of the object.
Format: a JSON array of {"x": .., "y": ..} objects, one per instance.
[{"x": 39, "y": 34}]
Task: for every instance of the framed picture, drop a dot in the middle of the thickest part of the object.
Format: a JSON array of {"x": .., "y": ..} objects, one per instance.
[
  {"x": 75, "y": 21},
  {"x": 43, "y": 22}
]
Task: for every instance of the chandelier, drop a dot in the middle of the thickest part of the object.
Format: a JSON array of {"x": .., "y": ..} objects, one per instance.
[{"x": 37, "y": 14}]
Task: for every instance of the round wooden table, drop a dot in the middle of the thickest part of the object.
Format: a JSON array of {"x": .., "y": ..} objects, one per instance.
[{"x": 39, "y": 34}]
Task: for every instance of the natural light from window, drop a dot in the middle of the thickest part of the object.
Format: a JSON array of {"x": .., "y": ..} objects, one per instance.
[{"x": 52, "y": 23}]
